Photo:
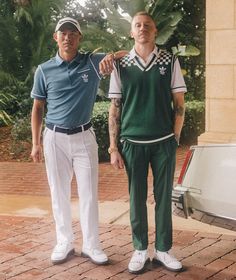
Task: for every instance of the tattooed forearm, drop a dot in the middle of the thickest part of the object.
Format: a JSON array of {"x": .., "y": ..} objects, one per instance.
[
  {"x": 114, "y": 120},
  {"x": 179, "y": 111},
  {"x": 116, "y": 102}
]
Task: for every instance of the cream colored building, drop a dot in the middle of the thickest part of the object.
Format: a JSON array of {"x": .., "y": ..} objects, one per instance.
[{"x": 220, "y": 72}]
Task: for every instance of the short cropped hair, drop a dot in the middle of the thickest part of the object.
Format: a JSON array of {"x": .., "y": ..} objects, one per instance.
[{"x": 143, "y": 13}]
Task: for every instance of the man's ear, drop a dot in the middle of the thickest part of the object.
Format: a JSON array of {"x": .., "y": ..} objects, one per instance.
[
  {"x": 131, "y": 34},
  {"x": 55, "y": 36}
]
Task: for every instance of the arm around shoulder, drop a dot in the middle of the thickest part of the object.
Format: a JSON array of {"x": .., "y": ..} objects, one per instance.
[{"x": 106, "y": 66}]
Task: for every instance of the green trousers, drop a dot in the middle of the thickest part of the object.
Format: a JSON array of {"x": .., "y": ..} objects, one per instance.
[{"x": 161, "y": 157}]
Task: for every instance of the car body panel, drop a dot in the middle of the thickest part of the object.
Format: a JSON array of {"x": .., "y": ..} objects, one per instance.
[{"x": 208, "y": 183}]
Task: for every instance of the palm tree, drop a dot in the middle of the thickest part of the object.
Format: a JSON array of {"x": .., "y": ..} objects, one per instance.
[
  {"x": 117, "y": 15},
  {"x": 25, "y": 31},
  {"x": 34, "y": 21},
  {"x": 164, "y": 13}
]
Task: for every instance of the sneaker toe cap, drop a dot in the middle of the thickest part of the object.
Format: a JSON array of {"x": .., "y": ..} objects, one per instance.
[
  {"x": 135, "y": 266},
  {"x": 176, "y": 265}
]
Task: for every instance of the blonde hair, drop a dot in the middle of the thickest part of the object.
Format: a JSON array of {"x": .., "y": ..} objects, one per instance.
[{"x": 143, "y": 13}]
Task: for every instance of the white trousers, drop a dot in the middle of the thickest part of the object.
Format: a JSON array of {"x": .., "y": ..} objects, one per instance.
[{"x": 65, "y": 155}]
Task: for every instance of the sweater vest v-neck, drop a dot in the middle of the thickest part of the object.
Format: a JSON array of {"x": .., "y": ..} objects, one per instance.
[{"x": 147, "y": 109}]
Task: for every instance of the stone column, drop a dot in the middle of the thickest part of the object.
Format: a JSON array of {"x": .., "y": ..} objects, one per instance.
[{"x": 220, "y": 72}]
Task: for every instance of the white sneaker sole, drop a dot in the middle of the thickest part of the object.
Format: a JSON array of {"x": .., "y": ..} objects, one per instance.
[
  {"x": 140, "y": 271},
  {"x": 84, "y": 255},
  {"x": 158, "y": 262}
]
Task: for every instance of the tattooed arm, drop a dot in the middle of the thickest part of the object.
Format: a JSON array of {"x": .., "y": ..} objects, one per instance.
[
  {"x": 114, "y": 129},
  {"x": 179, "y": 113}
]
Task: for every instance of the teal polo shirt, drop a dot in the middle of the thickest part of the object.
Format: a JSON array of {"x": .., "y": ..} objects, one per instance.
[{"x": 69, "y": 88}]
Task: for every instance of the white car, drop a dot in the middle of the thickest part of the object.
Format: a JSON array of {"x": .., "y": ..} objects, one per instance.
[{"x": 206, "y": 188}]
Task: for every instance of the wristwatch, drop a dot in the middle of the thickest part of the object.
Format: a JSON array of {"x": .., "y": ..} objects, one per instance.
[{"x": 111, "y": 150}]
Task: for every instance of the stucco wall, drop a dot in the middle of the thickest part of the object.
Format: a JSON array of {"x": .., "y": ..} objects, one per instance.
[{"x": 220, "y": 72}]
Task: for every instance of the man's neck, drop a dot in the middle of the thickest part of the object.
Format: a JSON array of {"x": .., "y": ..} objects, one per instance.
[
  {"x": 144, "y": 50},
  {"x": 67, "y": 56}
]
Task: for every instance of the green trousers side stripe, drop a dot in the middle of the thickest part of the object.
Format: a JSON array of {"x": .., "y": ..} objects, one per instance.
[{"x": 161, "y": 158}]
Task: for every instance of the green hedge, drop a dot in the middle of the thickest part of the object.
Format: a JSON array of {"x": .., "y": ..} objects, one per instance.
[
  {"x": 193, "y": 127},
  {"x": 194, "y": 124},
  {"x": 100, "y": 125}
]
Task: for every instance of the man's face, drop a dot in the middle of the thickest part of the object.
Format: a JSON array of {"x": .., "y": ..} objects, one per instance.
[
  {"x": 67, "y": 39},
  {"x": 143, "y": 29}
]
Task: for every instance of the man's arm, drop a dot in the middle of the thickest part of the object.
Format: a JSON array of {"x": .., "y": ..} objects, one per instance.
[
  {"x": 179, "y": 108},
  {"x": 36, "y": 127},
  {"x": 114, "y": 129},
  {"x": 107, "y": 64}
]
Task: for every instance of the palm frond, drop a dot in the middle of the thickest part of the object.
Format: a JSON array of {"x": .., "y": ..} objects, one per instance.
[
  {"x": 23, "y": 13},
  {"x": 133, "y": 6},
  {"x": 8, "y": 79},
  {"x": 158, "y": 8},
  {"x": 5, "y": 118}
]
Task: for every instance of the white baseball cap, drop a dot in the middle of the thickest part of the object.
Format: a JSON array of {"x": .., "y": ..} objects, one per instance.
[{"x": 68, "y": 20}]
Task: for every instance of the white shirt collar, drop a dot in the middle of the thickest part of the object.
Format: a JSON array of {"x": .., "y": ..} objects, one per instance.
[{"x": 133, "y": 53}]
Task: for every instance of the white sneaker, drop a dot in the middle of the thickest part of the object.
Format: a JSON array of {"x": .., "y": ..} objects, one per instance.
[
  {"x": 138, "y": 261},
  {"x": 96, "y": 256},
  {"x": 170, "y": 262},
  {"x": 61, "y": 252}
]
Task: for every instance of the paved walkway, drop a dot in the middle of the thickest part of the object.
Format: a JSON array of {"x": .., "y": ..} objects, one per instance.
[{"x": 27, "y": 233}]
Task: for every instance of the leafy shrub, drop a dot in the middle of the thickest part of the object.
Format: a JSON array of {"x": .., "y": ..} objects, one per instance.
[
  {"x": 194, "y": 123},
  {"x": 100, "y": 125},
  {"x": 5, "y": 99},
  {"x": 15, "y": 102},
  {"x": 21, "y": 130},
  {"x": 21, "y": 139}
]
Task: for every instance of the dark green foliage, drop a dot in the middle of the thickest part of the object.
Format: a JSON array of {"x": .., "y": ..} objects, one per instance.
[
  {"x": 14, "y": 98},
  {"x": 194, "y": 124},
  {"x": 21, "y": 139},
  {"x": 21, "y": 130},
  {"x": 100, "y": 125},
  {"x": 5, "y": 101},
  {"x": 191, "y": 31},
  {"x": 15, "y": 101}
]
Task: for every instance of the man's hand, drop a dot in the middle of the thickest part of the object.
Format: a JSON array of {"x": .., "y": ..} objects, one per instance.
[
  {"x": 107, "y": 64},
  {"x": 116, "y": 160},
  {"x": 36, "y": 153}
]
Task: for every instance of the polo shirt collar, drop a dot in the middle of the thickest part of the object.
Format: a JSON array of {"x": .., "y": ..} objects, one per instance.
[{"x": 59, "y": 60}]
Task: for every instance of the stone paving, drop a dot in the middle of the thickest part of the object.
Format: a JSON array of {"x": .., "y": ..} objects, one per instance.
[{"x": 26, "y": 243}]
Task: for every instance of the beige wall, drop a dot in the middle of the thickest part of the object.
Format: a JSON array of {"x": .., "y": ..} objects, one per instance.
[{"x": 220, "y": 72}]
